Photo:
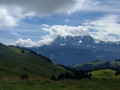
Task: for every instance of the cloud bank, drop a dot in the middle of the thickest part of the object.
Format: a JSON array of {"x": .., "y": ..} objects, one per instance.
[
  {"x": 105, "y": 29},
  {"x": 46, "y": 6}
]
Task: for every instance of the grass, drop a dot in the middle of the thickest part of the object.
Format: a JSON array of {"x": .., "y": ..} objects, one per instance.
[
  {"x": 13, "y": 62},
  {"x": 106, "y": 73},
  {"x": 85, "y": 84}
]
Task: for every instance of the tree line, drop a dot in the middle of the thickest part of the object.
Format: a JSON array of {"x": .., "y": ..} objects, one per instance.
[{"x": 72, "y": 75}]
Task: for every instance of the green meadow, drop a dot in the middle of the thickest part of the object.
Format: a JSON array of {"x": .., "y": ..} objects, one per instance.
[{"x": 84, "y": 84}]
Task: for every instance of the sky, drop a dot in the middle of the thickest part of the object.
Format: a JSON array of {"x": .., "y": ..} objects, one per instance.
[{"x": 38, "y": 22}]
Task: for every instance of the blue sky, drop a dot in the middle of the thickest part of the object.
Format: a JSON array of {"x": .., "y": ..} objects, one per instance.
[{"x": 29, "y": 23}]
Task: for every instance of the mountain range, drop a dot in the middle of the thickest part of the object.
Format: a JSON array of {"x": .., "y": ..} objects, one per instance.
[{"x": 78, "y": 49}]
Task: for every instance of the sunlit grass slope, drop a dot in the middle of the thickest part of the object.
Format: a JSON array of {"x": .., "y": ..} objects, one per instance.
[{"x": 106, "y": 73}]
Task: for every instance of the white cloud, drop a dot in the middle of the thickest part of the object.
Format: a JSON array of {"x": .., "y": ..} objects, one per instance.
[
  {"x": 106, "y": 6},
  {"x": 97, "y": 3},
  {"x": 6, "y": 19},
  {"x": 63, "y": 30},
  {"x": 53, "y": 33},
  {"x": 105, "y": 29},
  {"x": 25, "y": 43},
  {"x": 11, "y": 16}
]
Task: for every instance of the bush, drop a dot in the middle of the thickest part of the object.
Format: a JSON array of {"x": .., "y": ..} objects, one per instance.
[
  {"x": 117, "y": 73},
  {"x": 22, "y": 51},
  {"x": 53, "y": 78},
  {"x": 23, "y": 76}
]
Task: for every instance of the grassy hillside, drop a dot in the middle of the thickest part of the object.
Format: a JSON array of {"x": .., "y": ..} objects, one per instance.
[
  {"x": 14, "y": 62},
  {"x": 99, "y": 64},
  {"x": 106, "y": 73}
]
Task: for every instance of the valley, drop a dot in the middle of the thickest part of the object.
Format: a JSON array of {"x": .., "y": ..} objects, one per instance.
[{"x": 23, "y": 69}]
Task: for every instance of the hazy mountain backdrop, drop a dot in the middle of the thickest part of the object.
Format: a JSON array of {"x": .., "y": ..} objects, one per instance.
[{"x": 74, "y": 50}]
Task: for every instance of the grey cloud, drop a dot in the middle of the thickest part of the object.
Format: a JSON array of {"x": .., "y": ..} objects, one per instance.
[
  {"x": 13, "y": 11},
  {"x": 45, "y": 6}
]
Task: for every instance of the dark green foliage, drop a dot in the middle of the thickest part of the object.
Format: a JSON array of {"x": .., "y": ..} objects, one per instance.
[
  {"x": 46, "y": 58},
  {"x": 55, "y": 70},
  {"x": 61, "y": 76},
  {"x": 25, "y": 69},
  {"x": 117, "y": 73},
  {"x": 1, "y": 56},
  {"x": 68, "y": 75},
  {"x": 74, "y": 75},
  {"x": 23, "y": 76},
  {"x": 33, "y": 52},
  {"x": 82, "y": 74},
  {"x": 22, "y": 51},
  {"x": 53, "y": 77}
]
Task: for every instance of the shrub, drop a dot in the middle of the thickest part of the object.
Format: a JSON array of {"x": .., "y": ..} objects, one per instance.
[{"x": 23, "y": 76}]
